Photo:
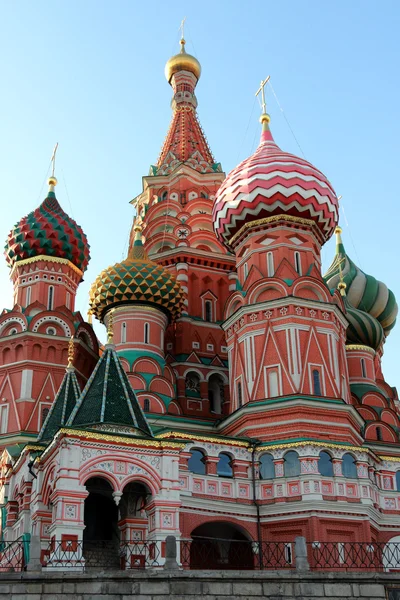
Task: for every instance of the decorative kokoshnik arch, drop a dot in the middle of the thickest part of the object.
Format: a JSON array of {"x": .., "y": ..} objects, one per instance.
[{"x": 120, "y": 470}]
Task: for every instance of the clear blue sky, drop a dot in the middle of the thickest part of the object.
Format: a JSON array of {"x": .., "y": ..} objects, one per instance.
[{"x": 89, "y": 75}]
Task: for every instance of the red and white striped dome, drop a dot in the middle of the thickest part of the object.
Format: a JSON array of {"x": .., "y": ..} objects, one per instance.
[{"x": 273, "y": 182}]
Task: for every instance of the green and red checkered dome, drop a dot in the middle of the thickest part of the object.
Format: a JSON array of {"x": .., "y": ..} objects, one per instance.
[{"x": 48, "y": 231}]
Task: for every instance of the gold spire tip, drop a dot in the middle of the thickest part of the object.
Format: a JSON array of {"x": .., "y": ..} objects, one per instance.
[
  {"x": 338, "y": 230},
  {"x": 110, "y": 328},
  {"x": 71, "y": 352}
]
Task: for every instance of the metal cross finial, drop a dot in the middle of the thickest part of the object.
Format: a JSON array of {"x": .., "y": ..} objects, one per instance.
[
  {"x": 261, "y": 89},
  {"x": 53, "y": 159},
  {"x": 182, "y": 28}
]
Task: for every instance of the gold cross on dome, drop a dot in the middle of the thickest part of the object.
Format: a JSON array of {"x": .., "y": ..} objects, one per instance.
[
  {"x": 182, "y": 28},
  {"x": 261, "y": 89},
  {"x": 53, "y": 159}
]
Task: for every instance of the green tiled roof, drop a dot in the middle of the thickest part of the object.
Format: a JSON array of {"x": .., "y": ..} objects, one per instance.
[
  {"x": 109, "y": 398},
  {"x": 64, "y": 402}
]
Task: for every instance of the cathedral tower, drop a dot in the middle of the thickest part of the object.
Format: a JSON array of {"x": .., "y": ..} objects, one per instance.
[
  {"x": 47, "y": 252},
  {"x": 175, "y": 211}
]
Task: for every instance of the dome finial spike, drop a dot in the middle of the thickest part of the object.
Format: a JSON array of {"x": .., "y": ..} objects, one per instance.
[
  {"x": 339, "y": 243},
  {"x": 137, "y": 251},
  {"x": 52, "y": 181},
  {"x": 266, "y": 135},
  {"x": 182, "y": 40}
]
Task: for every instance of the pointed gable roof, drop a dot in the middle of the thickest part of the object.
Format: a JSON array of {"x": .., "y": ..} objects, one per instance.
[
  {"x": 109, "y": 398},
  {"x": 64, "y": 402}
]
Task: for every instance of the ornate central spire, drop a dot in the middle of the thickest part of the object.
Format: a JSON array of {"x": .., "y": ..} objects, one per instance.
[{"x": 185, "y": 142}]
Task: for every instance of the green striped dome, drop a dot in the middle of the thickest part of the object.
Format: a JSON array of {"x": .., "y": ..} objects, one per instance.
[
  {"x": 363, "y": 291},
  {"x": 363, "y": 329}
]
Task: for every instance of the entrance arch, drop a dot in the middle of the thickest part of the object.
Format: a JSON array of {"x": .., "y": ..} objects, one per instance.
[
  {"x": 221, "y": 545},
  {"x": 133, "y": 523},
  {"x": 101, "y": 533}
]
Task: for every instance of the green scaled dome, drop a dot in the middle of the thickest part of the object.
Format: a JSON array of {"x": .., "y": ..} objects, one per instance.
[
  {"x": 48, "y": 231},
  {"x": 136, "y": 280},
  {"x": 363, "y": 291}
]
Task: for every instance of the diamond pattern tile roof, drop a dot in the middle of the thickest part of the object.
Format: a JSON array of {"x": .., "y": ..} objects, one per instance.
[
  {"x": 109, "y": 398},
  {"x": 64, "y": 402},
  {"x": 136, "y": 279}
]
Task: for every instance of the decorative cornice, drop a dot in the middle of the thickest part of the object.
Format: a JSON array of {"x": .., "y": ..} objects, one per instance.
[
  {"x": 51, "y": 259},
  {"x": 120, "y": 439},
  {"x": 201, "y": 438},
  {"x": 389, "y": 458},
  {"x": 271, "y": 220},
  {"x": 360, "y": 347},
  {"x": 320, "y": 444}
]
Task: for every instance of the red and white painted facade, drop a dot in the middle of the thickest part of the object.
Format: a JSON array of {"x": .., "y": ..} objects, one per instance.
[{"x": 257, "y": 366}]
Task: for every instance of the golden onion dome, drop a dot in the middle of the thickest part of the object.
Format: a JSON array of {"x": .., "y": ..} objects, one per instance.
[
  {"x": 182, "y": 62},
  {"x": 139, "y": 280}
]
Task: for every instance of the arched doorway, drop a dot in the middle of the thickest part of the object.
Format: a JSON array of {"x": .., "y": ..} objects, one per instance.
[
  {"x": 101, "y": 533},
  {"x": 221, "y": 545}
]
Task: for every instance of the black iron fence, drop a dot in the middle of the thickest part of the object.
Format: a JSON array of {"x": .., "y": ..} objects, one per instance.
[
  {"x": 13, "y": 556},
  {"x": 373, "y": 556},
  {"x": 226, "y": 554},
  {"x": 204, "y": 553},
  {"x": 86, "y": 555}
]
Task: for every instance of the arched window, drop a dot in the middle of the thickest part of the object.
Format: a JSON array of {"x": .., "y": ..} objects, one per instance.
[
  {"x": 316, "y": 382},
  {"x": 349, "y": 467},
  {"x": 68, "y": 300},
  {"x": 267, "y": 467},
  {"x": 28, "y": 296},
  {"x": 398, "y": 481},
  {"x": 197, "y": 462},
  {"x": 325, "y": 466},
  {"x": 291, "y": 465},
  {"x": 45, "y": 412},
  {"x": 208, "y": 310},
  {"x": 297, "y": 262},
  {"x": 224, "y": 466},
  {"x": 123, "y": 333},
  {"x": 363, "y": 368},
  {"x": 270, "y": 264},
  {"x": 164, "y": 195},
  {"x": 239, "y": 394},
  {"x": 50, "y": 298},
  {"x": 216, "y": 393},
  {"x": 245, "y": 270},
  {"x": 146, "y": 333},
  {"x": 379, "y": 434},
  {"x": 192, "y": 385},
  {"x": 146, "y": 405}
]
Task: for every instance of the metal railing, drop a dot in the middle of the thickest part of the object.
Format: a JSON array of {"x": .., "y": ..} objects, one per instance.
[
  {"x": 102, "y": 554},
  {"x": 220, "y": 553},
  {"x": 204, "y": 553},
  {"x": 12, "y": 556},
  {"x": 372, "y": 556}
]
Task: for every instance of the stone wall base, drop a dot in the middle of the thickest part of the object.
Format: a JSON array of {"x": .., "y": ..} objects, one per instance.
[{"x": 196, "y": 585}]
